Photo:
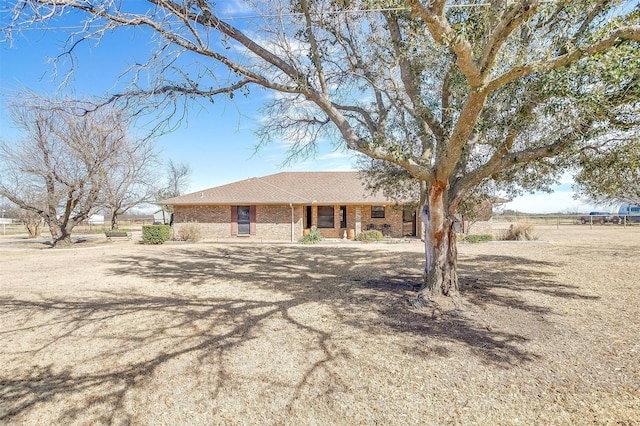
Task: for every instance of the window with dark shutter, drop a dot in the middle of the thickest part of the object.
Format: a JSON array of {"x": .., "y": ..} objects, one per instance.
[
  {"x": 252, "y": 220},
  {"x": 234, "y": 220},
  {"x": 377, "y": 212}
]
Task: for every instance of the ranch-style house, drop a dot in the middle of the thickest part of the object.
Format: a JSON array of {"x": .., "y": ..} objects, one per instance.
[{"x": 284, "y": 206}]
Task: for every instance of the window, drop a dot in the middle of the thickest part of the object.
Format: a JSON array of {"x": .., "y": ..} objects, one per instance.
[
  {"x": 244, "y": 220},
  {"x": 343, "y": 216},
  {"x": 325, "y": 216},
  {"x": 377, "y": 212}
]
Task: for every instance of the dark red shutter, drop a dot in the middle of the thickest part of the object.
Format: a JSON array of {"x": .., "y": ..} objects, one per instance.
[
  {"x": 234, "y": 220},
  {"x": 252, "y": 218}
]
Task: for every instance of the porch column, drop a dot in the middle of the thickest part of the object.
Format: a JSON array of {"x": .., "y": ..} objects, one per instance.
[
  {"x": 293, "y": 226},
  {"x": 314, "y": 215},
  {"x": 358, "y": 220}
]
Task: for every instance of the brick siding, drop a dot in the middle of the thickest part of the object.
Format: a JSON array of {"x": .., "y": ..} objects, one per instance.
[
  {"x": 272, "y": 222},
  {"x": 392, "y": 216}
]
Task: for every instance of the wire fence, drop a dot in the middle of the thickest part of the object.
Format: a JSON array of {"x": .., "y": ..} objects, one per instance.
[
  {"x": 567, "y": 219},
  {"x": 498, "y": 222},
  {"x": 15, "y": 227}
]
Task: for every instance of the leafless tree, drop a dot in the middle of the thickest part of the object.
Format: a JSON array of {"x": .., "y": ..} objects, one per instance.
[
  {"x": 177, "y": 179},
  {"x": 453, "y": 93},
  {"x": 132, "y": 179},
  {"x": 60, "y": 166},
  {"x": 32, "y": 221}
]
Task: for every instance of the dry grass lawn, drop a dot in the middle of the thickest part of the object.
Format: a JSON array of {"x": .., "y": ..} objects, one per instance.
[{"x": 122, "y": 333}]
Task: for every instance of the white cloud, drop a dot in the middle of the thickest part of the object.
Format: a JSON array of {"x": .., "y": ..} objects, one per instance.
[{"x": 234, "y": 8}]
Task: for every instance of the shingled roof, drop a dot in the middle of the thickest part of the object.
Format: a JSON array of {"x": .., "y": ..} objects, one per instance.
[{"x": 285, "y": 188}]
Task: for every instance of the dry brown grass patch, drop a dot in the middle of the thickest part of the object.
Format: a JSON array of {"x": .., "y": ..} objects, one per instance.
[{"x": 293, "y": 334}]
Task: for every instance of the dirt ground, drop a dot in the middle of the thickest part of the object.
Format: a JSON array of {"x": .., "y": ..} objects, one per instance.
[{"x": 545, "y": 333}]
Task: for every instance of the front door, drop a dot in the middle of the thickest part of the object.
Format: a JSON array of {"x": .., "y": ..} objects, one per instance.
[
  {"x": 409, "y": 221},
  {"x": 307, "y": 217}
]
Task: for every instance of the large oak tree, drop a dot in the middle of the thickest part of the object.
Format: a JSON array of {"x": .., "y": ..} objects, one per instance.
[{"x": 453, "y": 94}]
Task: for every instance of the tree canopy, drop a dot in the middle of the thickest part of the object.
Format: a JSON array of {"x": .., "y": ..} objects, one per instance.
[{"x": 610, "y": 174}]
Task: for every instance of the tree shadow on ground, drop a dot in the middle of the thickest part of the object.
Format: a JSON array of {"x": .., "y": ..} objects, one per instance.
[
  {"x": 503, "y": 280},
  {"x": 214, "y": 300}
]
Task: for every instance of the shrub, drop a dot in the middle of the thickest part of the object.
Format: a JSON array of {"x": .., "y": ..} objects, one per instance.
[
  {"x": 188, "y": 232},
  {"x": 520, "y": 232},
  {"x": 314, "y": 236},
  {"x": 474, "y": 238},
  {"x": 370, "y": 236},
  {"x": 155, "y": 234}
]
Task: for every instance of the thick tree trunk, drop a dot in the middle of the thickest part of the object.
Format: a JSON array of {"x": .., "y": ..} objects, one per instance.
[
  {"x": 114, "y": 220},
  {"x": 440, "y": 273},
  {"x": 59, "y": 235}
]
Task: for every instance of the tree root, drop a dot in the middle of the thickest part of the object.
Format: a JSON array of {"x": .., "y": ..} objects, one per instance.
[{"x": 437, "y": 305}]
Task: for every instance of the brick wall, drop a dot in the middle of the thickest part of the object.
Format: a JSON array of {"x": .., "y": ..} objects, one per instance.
[
  {"x": 272, "y": 222},
  {"x": 392, "y": 216},
  {"x": 214, "y": 221}
]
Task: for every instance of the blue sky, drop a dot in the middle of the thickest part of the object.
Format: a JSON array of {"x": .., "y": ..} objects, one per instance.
[{"x": 216, "y": 140}]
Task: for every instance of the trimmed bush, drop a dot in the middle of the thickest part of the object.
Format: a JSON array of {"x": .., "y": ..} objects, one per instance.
[
  {"x": 474, "y": 238},
  {"x": 520, "y": 232},
  {"x": 155, "y": 234},
  {"x": 188, "y": 232},
  {"x": 314, "y": 236},
  {"x": 370, "y": 236}
]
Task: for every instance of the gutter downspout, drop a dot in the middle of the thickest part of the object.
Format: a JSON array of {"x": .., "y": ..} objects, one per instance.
[{"x": 292, "y": 224}]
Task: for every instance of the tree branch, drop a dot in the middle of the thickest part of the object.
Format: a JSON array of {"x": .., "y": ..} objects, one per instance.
[
  {"x": 631, "y": 32},
  {"x": 442, "y": 33},
  {"x": 315, "y": 53},
  {"x": 504, "y": 28},
  {"x": 408, "y": 76}
]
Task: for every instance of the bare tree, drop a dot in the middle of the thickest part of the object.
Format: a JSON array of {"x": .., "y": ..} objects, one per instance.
[
  {"x": 453, "y": 93},
  {"x": 32, "y": 221},
  {"x": 177, "y": 179},
  {"x": 58, "y": 170},
  {"x": 132, "y": 179}
]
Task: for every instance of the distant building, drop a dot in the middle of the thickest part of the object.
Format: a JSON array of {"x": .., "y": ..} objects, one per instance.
[{"x": 96, "y": 219}]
